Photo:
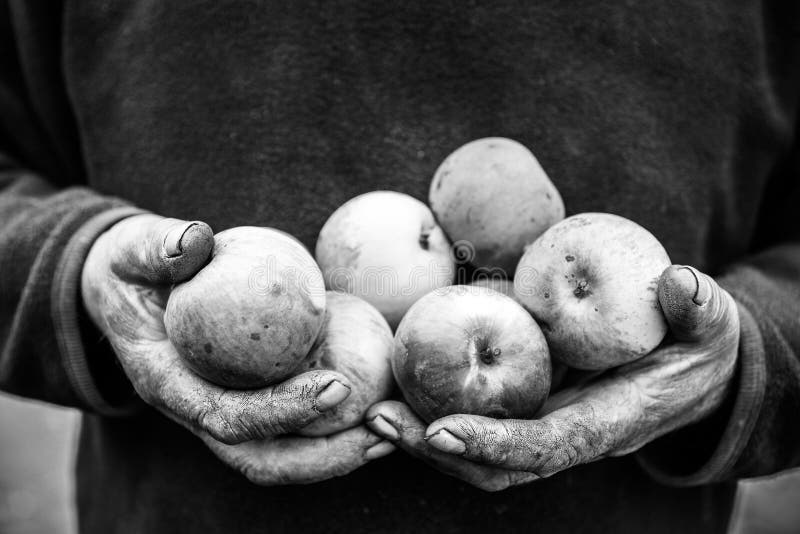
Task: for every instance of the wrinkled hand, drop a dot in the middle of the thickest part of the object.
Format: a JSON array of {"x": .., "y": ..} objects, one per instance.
[
  {"x": 126, "y": 281},
  {"x": 616, "y": 413}
]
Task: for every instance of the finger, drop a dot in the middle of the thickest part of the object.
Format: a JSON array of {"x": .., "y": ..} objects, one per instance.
[
  {"x": 395, "y": 422},
  {"x": 228, "y": 415},
  {"x": 236, "y": 416},
  {"x": 572, "y": 435},
  {"x": 695, "y": 306},
  {"x": 159, "y": 250},
  {"x": 302, "y": 460}
]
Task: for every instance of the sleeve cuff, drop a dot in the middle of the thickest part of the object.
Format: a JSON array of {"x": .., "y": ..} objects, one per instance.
[
  {"x": 748, "y": 397},
  {"x": 66, "y": 305}
]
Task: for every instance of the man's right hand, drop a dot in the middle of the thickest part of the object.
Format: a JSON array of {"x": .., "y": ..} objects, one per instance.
[{"x": 125, "y": 284}]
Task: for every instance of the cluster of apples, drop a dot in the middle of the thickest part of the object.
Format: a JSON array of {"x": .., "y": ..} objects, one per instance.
[{"x": 583, "y": 292}]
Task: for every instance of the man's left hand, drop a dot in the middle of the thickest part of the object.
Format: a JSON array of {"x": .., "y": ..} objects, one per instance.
[{"x": 616, "y": 413}]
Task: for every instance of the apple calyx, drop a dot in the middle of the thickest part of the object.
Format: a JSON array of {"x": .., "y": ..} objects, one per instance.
[
  {"x": 489, "y": 354},
  {"x": 582, "y": 289}
]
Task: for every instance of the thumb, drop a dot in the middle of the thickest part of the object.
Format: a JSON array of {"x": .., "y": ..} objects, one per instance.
[
  {"x": 695, "y": 306},
  {"x": 160, "y": 250}
]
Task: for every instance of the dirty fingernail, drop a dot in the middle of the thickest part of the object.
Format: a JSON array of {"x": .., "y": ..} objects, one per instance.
[
  {"x": 333, "y": 394},
  {"x": 447, "y": 442},
  {"x": 384, "y": 428},
  {"x": 172, "y": 242},
  {"x": 379, "y": 450},
  {"x": 702, "y": 292}
]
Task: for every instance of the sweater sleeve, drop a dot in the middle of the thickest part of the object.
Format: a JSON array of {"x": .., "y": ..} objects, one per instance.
[
  {"x": 756, "y": 431},
  {"x": 50, "y": 351}
]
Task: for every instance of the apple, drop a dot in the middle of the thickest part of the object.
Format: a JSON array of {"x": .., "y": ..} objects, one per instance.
[
  {"x": 506, "y": 287},
  {"x": 591, "y": 283},
  {"x": 356, "y": 341},
  {"x": 249, "y": 317},
  {"x": 492, "y": 195},
  {"x": 464, "y": 349},
  {"x": 386, "y": 248}
]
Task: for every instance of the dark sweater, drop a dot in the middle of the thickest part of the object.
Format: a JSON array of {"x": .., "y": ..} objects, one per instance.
[{"x": 678, "y": 115}]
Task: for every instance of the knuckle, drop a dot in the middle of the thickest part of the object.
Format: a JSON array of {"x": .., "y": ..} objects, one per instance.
[
  {"x": 219, "y": 426},
  {"x": 210, "y": 422}
]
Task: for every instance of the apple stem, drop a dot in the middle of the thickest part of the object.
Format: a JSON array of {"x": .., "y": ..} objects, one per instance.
[{"x": 423, "y": 240}]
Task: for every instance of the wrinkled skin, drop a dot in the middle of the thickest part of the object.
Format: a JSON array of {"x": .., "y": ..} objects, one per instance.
[
  {"x": 613, "y": 414},
  {"x": 126, "y": 280}
]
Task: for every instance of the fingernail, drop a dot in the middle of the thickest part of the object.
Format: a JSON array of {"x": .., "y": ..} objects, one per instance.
[
  {"x": 384, "y": 428},
  {"x": 446, "y": 442},
  {"x": 172, "y": 242},
  {"x": 379, "y": 450},
  {"x": 702, "y": 292},
  {"x": 332, "y": 395}
]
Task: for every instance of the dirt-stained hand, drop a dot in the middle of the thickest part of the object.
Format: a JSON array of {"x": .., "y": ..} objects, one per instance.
[
  {"x": 125, "y": 284},
  {"x": 620, "y": 411}
]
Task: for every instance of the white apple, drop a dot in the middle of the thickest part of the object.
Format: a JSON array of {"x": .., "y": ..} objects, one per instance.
[
  {"x": 591, "y": 283},
  {"x": 465, "y": 349},
  {"x": 492, "y": 195},
  {"x": 356, "y": 341},
  {"x": 386, "y": 248}
]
